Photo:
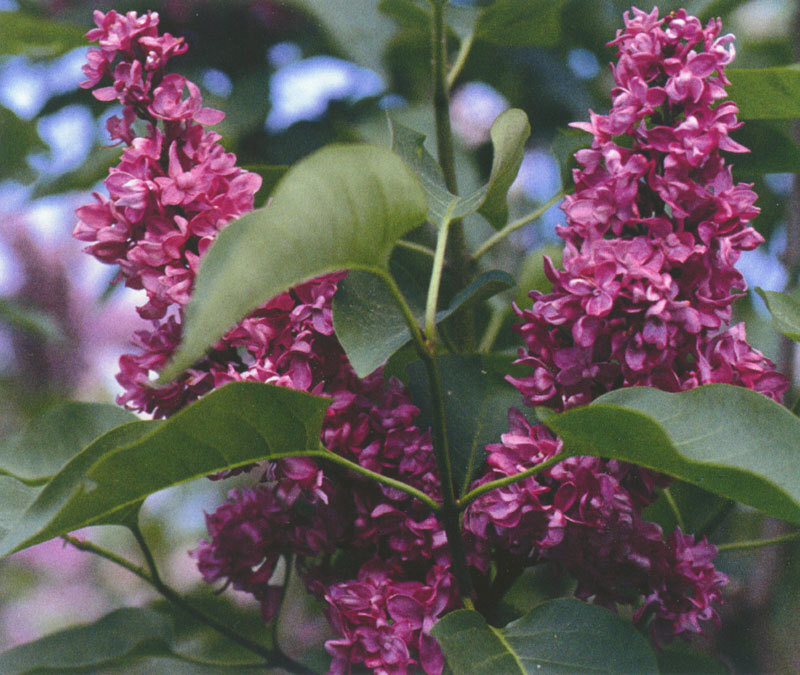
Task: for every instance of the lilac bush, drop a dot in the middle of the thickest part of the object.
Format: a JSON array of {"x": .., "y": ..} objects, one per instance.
[{"x": 371, "y": 522}]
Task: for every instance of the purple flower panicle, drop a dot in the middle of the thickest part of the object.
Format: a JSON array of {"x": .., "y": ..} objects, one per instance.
[{"x": 653, "y": 231}]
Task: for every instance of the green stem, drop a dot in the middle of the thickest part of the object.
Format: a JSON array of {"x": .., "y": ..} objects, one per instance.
[
  {"x": 273, "y": 657},
  {"x": 435, "y": 283},
  {"x": 757, "y": 543},
  {"x": 496, "y": 321},
  {"x": 414, "y": 246},
  {"x": 459, "y": 260},
  {"x": 441, "y": 98},
  {"x": 717, "y": 517},
  {"x": 461, "y": 60},
  {"x": 447, "y": 510},
  {"x": 449, "y": 514},
  {"x": 481, "y": 490},
  {"x": 332, "y": 457},
  {"x": 673, "y": 505},
  {"x": 515, "y": 225}
]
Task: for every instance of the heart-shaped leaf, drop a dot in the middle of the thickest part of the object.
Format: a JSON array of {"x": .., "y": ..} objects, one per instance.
[
  {"x": 343, "y": 207},
  {"x": 728, "y": 440},
  {"x": 369, "y": 324},
  {"x": 54, "y": 438},
  {"x": 560, "y": 636},
  {"x": 765, "y": 93},
  {"x": 235, "y": 425},
  {"x": 785, "y": 312}
]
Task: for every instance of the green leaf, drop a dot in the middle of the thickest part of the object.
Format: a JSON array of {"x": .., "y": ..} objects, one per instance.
[
  {"x": 343, "y": 207},
  {"x": 785, "y": 312},
  {"x": 121, "y": 639},
  {"x": 407, "y": 15},
  {"x": 560, "y": 636},
  {"x": 22, "y": 33},
  {"x": 270, "y": 177},
  {"x": 531, "y": 275},
  {"x": 370, "y": 326},
  {"x": 509, "y": 132},
  {"x": 678, "y": 660},
  {"x": 301, "y": 628},
  {"x": 772, "y": 150},
  {"x": 521, "y": 23},
  {"x": 728, "y": 440},
  {"x": 20, "y": 138},
  {"x": 91, "y": 171},
  {"x": 31, "y": 320},
  {"x": 565, "y": 144},
  {"x": 357, "y": 27},
  {"x": 410, "y": 145},
  {"x": 235, "y": 425},
  {"x": 15, "y": 498},
  {"x": 56, "y": 437},
  {"x": 766, "y": 93},
  {"x": 476, "y": 400}
]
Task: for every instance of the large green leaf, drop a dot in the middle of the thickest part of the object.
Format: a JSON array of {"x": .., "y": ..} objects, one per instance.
[
  {"x": 766, "y": 93},
  {"x": 22, "y": 33},
  {"x": 560, "y": 636},
  {"x": 772, "y": 150},
  {"x": 785, "y": 312},
  {"x": 343, "y": 207},
  {"x": 119, "y": 640},
  {"x": 235, "y": 425},
  {"x": 56, "y": 437},
  {"x": 409, "y": 144},
  {"x": 19, "y": 139},
  {"x": 728, "y": 440},
  {"x": 476, "y": 400},
  {"x": 370, "y": 326},
  {"x": 15, "y": 498},
  {"x": 521, "y": 23},
  {"x": 270, "y": 177},
  {"x": 508, "y": 133}
]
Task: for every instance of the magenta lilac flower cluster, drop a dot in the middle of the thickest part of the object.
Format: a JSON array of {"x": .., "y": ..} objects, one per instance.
[
  {"x": 172, "y": 191},
  {"x": 653, "y": 231}
]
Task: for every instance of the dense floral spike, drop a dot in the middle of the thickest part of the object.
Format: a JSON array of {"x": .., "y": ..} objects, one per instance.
[
  {"x": 654, "y": 229},
  {"x": 171, "y": 192}
]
